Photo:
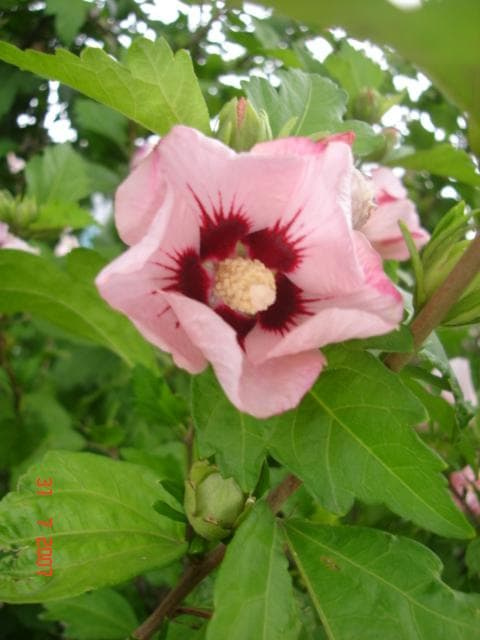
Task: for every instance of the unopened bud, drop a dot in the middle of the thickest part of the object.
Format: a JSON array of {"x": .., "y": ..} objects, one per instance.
[
  {"x": 241, "y": 127},
  {"x": 213, "y": 504}
]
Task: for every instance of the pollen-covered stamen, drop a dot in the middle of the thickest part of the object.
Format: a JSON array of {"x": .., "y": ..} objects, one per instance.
[{"x": 245, "y": 285}]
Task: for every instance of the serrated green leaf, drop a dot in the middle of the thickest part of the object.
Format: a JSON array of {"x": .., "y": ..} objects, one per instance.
[
  {"x": 101, "y": 614},
  {"x": 369, "y": 584},
  {"x": 236, "y": 438},
  {"x": 311, "y": 104},
  {"x": 69, "y": 17},
  {"x": 398, "y": 341},
  {"x": 253, "y": 594},
  {"x": 441, "y": 160},
  {"x": 105, "y": 529},
  {"x": 318, "y": 103},
  {"x": 418, "y": 35},
  {"x": 155, "y": 88},
  {"x": 352, "y": 436},
  {"x": 58, "y": 174},
  {"x": 34, "y": 285}
]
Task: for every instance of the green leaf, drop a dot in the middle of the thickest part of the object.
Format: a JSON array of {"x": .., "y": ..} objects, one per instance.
[
  {"x": 253, "y": 594},
  {"x": 310, "y": 104},
  {"x": 154, "y": 87},
  {"x": 317, "y": 102},
  {"x": 369, "y": 584},
  {"x": 58, "y": 174},
  {"x": 101, "y": 120},
  {"x": 58, "y": 215},
  {"x": 236, "y": 438},
  {"x": 419, "y": 35},
  {"x": 441, "y": 160},
  {"x": 353, "y": 70},
  {"x": 105, "y": 529},
  {"x": 472, "y": 557},
  {"x": 34, "y": 285},
  {"x": 352, "y": 437},
  {"x": 101, "y": 614},
  {"x": 399, "y": 341},
  {"x": 69, "y": 17}
]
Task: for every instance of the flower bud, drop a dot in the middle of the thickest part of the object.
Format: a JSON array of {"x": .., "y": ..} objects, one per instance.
[
  {"x": 213, "y": 504},
  {"x": 17, "y": 212},
  {"x": 368, "y": 106},
  {"x": 241, "y": 127}
]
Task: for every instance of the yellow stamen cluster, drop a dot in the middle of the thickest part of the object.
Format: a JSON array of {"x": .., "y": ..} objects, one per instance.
[{"x": 245, "y": 285}]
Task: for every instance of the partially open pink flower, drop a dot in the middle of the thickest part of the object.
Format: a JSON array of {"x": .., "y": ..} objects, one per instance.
[
  {"x": 247, "y": 261},
  {"x": 9, "y": 241},
  {"x": 393, "y": 205}
]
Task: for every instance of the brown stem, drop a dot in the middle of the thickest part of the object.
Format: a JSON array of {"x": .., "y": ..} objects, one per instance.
[
  {"x": 282, "y": 492},
  {"x": 437, "y": 307},
  {"x": 192, "y": 576},
  {"x": 195, "y": 573}
]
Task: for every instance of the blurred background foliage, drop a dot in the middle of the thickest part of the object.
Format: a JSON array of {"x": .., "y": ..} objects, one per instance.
[{"x": 61, "y": 158}]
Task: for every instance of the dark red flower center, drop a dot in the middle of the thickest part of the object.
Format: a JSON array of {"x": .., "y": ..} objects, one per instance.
[{"x": 226, "y": 234}]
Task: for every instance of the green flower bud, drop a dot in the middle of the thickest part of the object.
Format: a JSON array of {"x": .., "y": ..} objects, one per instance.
[
  {"x": 447, "y": 245},
  {"x": 213, "y": 504},
  {"x": 367, "y": 106},
  {"x": 241, "y": 127},
  {"x": 18, "y": 213}
]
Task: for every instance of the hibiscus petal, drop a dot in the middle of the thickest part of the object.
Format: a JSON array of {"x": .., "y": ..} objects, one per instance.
[
  {"x": 387, "y": 185},
  {"x": 384, "y": 233},
  {"x": 374, "y": 308},
  {"x": 261, "y": 391},
  {"x": 138, "y": 198},
  {"x": 306, "y": 196}
]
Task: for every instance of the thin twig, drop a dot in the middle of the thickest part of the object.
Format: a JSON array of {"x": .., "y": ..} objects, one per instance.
[
  {"x": 193, "y": 611},
  {"x": 192, "y": 576},
  {"x": 442, "y": 300},
  {"x": 282, "y": 492}
]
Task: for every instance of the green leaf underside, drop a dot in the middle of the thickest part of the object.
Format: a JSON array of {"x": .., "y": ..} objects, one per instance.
[
  {"x": 99, "y": 614},
  {"x": 352, "y": 436},
  {"x": 32, "y": 284},
  {"x": 105, "y": 529},
  {"x": 368, "y": 584},
  {"x": 253, "y": 592},
  {"x": 236, "y": 438},
  {"x": 154, "y": 88},
  {"x": 419, "y": 35}
]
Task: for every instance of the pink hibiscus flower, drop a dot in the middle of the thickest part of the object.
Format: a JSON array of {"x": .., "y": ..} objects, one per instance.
[
  {"x": 381, "y": 227},
  {"x": 248, "y": 261}
]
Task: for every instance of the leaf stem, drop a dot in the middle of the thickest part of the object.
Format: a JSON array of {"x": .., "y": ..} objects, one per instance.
[{"x": 443, "y": 298}]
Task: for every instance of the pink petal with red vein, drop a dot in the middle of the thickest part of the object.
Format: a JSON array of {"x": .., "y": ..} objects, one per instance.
[{"x": 273, "y": 387}]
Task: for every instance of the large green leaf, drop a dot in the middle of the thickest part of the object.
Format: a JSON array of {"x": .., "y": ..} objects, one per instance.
[
  {"x": 153, "y": 87},
  {"x": 352, "y": 436},
  {"x": 236, "y": 439},
  {"x": 441, "y": 160},
  {"x": 34, "y": 285},
  {"x": 253, "y": 593},
  {"x": 59, "y": 173},
  {"x": 421, "y": 35},
  {"x": 307, "y": 104},
  {"x": 368, "y": 584},
  {"x": 101, "y": 614},
  {"x": 105, "y": 528}
]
